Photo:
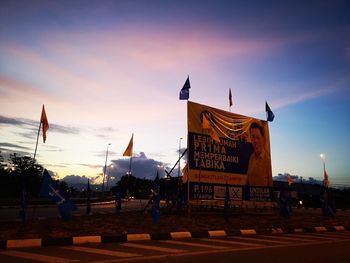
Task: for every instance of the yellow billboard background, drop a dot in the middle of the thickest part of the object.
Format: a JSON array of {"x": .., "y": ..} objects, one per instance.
[{"x": 240, "y": 157}]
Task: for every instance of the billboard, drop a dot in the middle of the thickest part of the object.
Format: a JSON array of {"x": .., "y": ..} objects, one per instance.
[{"x": 225, "y": 147}]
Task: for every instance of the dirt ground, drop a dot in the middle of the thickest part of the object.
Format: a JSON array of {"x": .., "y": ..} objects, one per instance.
[{"x": 137, "y": 222}]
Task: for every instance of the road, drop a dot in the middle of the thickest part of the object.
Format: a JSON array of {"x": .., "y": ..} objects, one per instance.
[
  {"x": 50, "y": 211},
  {"x": 332, "y": 247}
]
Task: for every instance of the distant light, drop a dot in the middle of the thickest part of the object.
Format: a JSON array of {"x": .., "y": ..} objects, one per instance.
[
  {"x": 301, "y": 202},
  {"x": 322, "y": 156}
]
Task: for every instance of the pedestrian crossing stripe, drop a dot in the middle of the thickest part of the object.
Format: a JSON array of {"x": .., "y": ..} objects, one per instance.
[
  {"x": 191, "y": 244},
  {"x": 37, "y": 257},
  {"x": 260, "y": 240},
  {"x": 102, "y": 251},
  {"x": 153, "y": 247},
  {"x": 231, "y": 242}
]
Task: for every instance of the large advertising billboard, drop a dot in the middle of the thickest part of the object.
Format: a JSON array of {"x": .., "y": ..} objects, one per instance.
[{"x": 227, "y": 148}]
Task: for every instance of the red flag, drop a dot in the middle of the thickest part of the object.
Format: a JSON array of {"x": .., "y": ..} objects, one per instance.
[
  {"x": 128, "y": 151},
  {"x": 44, "y": 123}
]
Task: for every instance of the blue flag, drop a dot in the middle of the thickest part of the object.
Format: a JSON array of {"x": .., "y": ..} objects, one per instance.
[
  {"x": 118, "y": 201},
  {"x": 23, "y": 210},
  {"x": 50, "y": 189},
  {"x": 88, "y": 196},
  {"x": 185, "y": 91},
  {"x": 270, "y": 115},
  {"x": 227, "y": 204},
  {"x": 156, "y": 201}
]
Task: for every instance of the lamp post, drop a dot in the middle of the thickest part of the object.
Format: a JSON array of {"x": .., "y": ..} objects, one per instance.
[
  {"x": 108, "y": 174},
  {"x": 178, "y": 172},
  {"x": 323, "y": 157},
  {"x": 104, "y": 171}
]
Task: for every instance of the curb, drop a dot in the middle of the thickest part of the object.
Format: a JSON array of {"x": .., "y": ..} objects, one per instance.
[{"x": 68, "y": 241}]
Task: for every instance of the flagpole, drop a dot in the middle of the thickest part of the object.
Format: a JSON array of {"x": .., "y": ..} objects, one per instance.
[
  {"x": 37, "y": 140},
  {"x": 104, "y": 171}
]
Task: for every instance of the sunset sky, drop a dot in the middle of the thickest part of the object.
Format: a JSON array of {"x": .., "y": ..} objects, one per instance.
[{"x": 107, "y": 69}]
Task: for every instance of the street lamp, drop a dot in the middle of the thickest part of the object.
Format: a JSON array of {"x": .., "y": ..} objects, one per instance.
[
  {"x": 178, "y": 172},
  {"x": 323, "y": 157},
  {"x": 108, "y": 175},
  {"x": 104, "y": 171}
]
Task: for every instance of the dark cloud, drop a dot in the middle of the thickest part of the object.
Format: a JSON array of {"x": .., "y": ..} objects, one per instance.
[
  {"x": 34, "y": 124},
  {"x": 295, "y": 179},
  {"x": 11, "y": 145},
  {"x": 141, "y": 167},
  {"x": 11, "y": 121},
  {"x": 75, "y": 179}
]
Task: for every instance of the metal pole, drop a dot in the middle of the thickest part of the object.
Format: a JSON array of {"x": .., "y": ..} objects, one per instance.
[
  {"x": 37, "y": 139},
  {"x": 104, "y": 171},
  {"x": 178, "y": 172}
]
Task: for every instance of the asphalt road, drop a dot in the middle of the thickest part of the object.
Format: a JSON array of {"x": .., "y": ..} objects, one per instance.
[
  {"x": 332, "y": 247},
  {"x": 50, "y": 211}
]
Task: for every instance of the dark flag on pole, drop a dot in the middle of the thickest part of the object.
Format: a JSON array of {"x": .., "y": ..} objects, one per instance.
[
  {"x": 51, "y": 190},
  {"x": 88, "y": 196},
  {"x": 270, "y": 115},
  {"x": 230, "y": 98},
  {"x": 118, "y": 200},
  {"x": 156, "y": 201},
  {"x": 185, "y": 91},
  {"x": 44, "y": 123},
  {"x": 23, "y": 211},
  {"x": 227, "y": 204}
]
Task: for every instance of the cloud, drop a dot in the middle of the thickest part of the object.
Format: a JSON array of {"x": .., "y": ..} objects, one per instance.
[
  {"x": 53, "y": 127},
  {"x": 11, "y": 145},
  {"x": 75, "y": 179},
  {"x": 142, "y": 167}
]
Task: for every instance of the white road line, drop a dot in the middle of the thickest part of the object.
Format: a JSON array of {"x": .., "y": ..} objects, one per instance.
[
  {"x": 103, "y": 251},
  {"x": 289, "y": 237},
  {"x": 37, "y": 257},
  {"x": 231, "y": 242},
  {"x": 261, "y": 240},
  {"x": 192, "y": 244},
  {"x": 337, "y": 234},
  {"x": 327, "y": 235},
  {"x": 321, "y": 236},
  {"x": 155, "y": 248}
]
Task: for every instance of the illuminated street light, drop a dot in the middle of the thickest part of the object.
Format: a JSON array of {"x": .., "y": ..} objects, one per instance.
[{"x": 323, "y": 157}]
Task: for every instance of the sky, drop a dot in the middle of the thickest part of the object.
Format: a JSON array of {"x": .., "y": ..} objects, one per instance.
[{"x": 107, "y": 69}]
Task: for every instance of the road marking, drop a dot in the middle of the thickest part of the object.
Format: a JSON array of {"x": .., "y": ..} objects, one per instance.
[
  {"x": 150, "y": 247},
  {"x": 23, "y": 243},
  {"x": 138, "y": 237},
  {"x": 37, "y": 257},
  {"x": 231, "y": 242},
  {"x": 86, "y": 239},
  {"x": 205, "y": 252},
  {"x": 320, "y": 229},
  {"x": 340, "y": 234},
  {"x": 289, "y": 237},
  {"x": 192, "y": 244},
  {"x": 339, "y": 228},
  {"x": 103, "y": 251},
  {"x": 324, "y": 236},
  {"x": 260, "y": 240},
  {"x": 217, "y": 233},
  {"x": 180, "y": 235},
  {"x": 248, "y": 231},
  {"x": 316, "y": 236}
]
